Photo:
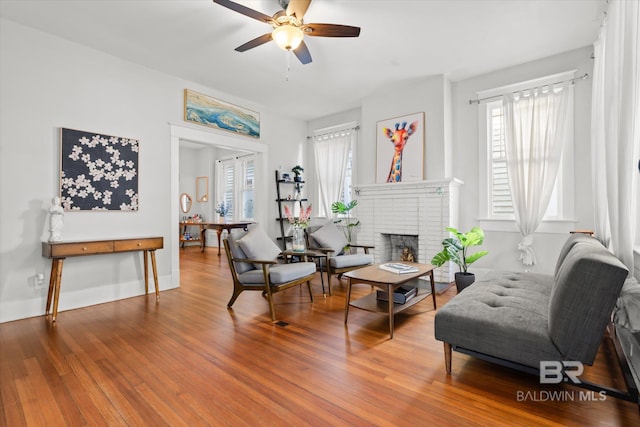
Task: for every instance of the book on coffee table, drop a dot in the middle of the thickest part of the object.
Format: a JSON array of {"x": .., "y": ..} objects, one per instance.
[
  {"x": 400, "y": 295},
  {"x": 399, "y": 268}
]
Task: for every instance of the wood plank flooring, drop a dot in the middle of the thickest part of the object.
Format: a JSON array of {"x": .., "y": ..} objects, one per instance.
[{"x": 189, "y": 361}]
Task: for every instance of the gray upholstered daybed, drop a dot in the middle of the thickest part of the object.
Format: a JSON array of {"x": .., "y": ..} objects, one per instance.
[{"x": 521, "y": 319}]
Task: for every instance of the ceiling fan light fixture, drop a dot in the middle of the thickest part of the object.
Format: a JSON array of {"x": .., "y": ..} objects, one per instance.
[{"x": 287, "y": 37}]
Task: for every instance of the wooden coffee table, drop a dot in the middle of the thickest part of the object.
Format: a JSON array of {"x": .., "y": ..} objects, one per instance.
[{"x": 373, "y": 275}]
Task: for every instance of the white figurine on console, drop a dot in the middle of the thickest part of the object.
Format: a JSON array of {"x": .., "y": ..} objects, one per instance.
[{"x": 56, "y": 220}]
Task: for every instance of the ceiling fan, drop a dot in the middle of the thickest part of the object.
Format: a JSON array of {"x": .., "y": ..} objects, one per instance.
[{"x": 289, "y": 28}]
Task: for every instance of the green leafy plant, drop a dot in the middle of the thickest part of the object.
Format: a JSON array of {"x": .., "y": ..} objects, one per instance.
[
  {"x": 297, "y": 170},
  {"x": 343, "y": 209},
  {"x": 455, "y": 248}
]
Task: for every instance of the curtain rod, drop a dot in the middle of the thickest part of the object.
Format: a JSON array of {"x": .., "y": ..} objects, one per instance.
[
  {"x": 332, "y": 132},
  {"x": 572, "y": 81}
]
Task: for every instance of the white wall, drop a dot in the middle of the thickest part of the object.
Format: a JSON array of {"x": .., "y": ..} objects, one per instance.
[
  {"x": 47, "y": 83},
  {"x": 428, "y": 95}
]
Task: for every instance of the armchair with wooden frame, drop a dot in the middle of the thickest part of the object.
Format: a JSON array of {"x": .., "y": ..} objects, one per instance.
[
  {"x": 253, "y": 265},
  {"x": 341, "y": 256}
]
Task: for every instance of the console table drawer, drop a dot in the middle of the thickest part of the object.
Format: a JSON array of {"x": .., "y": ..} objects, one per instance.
[
  {"x": 61, "y": 250},
  {"x": 137, "y": 244}
]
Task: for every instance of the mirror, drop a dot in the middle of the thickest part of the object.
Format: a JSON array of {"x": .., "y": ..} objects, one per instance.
[
  {"x": 202, "y": 188},
  {"x": 185, "y": 202}
]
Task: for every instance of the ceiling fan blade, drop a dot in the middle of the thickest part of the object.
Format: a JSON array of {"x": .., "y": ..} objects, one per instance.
[
  {"x": 302, "y": 53},
  {"x": 330, "y": 30},
  {"x": 298, "y": 8},
  {"x": 245, "y": 10},
  {"x": 254, "y": 43}
]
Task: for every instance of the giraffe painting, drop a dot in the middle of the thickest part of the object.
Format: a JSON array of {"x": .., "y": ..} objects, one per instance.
[{"x": 399, "y": 138}]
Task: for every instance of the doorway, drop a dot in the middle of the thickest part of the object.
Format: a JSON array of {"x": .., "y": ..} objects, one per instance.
[{"x": 188, "y": 134}]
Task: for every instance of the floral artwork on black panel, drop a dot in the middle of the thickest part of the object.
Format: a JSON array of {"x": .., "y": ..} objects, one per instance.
[{"x": 98, "y": 172}]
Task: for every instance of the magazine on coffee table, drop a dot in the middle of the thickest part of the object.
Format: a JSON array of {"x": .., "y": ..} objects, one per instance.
[{"x": 399, "y": 268}]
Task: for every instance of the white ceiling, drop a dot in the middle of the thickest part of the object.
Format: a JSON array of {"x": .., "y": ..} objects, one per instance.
[{"x": 400, "y": 40}]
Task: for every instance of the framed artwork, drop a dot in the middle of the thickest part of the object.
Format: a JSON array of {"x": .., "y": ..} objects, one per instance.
[
  {"x": 98, "y": 172},
  {"x": 400, "y": 149},
  {"x": 208, "y": 111}
]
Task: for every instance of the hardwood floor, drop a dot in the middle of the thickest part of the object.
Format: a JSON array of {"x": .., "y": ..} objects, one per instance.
[{"x": 190, "y": 361}]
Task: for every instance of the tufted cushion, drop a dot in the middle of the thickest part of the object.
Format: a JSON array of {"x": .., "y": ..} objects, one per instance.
[
  {"x": 278, "y": 274},
  {"x": 352, "y": 260},
  {"x": 328, "y": 236},
  {"x": 504, "y": 315},
  {"x": 237, "y": 252},
  {"x": 257, "y": 245}
]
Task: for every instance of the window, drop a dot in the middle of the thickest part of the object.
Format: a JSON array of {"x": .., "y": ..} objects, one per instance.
[
  {"x": 500, "y": 195},
  {"x": 248, "y": 178},
  {"x": 496, "y": 202},
  {"x": 235, "y": 186},
  {"x": 501, "y": 204},
  {"x": 333, "y": 155},
  {"x": 345, "y": 195}
]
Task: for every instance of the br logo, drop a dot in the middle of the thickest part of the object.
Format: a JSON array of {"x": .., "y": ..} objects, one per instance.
[{"x": 553, "y": 372}]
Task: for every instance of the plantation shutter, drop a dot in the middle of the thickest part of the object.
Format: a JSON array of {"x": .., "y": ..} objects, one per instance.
[
  {"x": 227, "y": 176},
  {"x": 247, "y": 189},
  {"x": 501, "y": 203}
]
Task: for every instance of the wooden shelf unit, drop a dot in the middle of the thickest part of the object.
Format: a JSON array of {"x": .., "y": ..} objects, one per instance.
[{"x": 281, "y": 201}]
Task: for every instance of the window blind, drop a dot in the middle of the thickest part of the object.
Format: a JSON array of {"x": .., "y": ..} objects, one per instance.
[{"x": 501, "y": 203}]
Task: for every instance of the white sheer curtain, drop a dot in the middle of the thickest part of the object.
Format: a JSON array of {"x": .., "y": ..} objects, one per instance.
[
  {"x": 534, "y": 134},
  {"x": 331, "y": 154},
  {"x": 615, "y": 129}
]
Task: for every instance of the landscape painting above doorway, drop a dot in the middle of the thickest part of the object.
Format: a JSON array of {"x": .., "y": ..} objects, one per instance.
[
  {"x": 208, "y": 111},
  {"x": 400, "y": 149}
]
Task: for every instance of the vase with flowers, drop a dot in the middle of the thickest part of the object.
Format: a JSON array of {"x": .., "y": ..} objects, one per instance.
[
  {"x": 298, "y": 224},
  {"x": 222, "y": 210}
]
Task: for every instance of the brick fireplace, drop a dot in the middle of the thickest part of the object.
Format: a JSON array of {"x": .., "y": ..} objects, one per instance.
[{"x": 412, "y": 211}]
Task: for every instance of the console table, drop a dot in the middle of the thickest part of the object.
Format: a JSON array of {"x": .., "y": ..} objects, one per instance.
[
  {"x": 219, "y": 226},
  {"x": 58, "y": 251}
]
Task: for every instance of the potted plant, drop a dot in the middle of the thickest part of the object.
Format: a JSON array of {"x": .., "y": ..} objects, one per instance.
[
  {"x": 298, "y": 223},
  {"x": 297, "y": 171},
  {"x": 341, "y": 208},
  {"x": 455, "y": 249}
]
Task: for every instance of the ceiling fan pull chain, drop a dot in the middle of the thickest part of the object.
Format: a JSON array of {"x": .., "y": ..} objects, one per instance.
[{"x": 288, "y": 55}]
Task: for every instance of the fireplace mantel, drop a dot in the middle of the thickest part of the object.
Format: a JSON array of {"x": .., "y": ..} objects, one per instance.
[
  {"x": 395, "y": 186},
  {"x": 422, "y": 208}
]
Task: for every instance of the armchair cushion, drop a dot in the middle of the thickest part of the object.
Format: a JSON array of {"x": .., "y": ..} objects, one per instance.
[
  {"x": 351, "y": 260},
  {"x": 237, "y": 252},
  {"x": 257, "y": 245},
  {"x": 281, "y": 273},
  {"x": 328, "y": 236}
]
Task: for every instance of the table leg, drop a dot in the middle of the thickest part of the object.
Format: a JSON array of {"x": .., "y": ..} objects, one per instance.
[
  {"x": 155, "y": 273},
  {"x": 52, "y": 283},
  {"x": 322, "y": 278},
  {"x": 203, "y": 234},
  {"x": 433, "y": 289},
  {"x": 346, "y": 305},
  {"x": 56, "y": 292},
  {"x": 146, "y": 272},
  {"x": 390, "y": 304},
  {"x": 219, "y": 231}
]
